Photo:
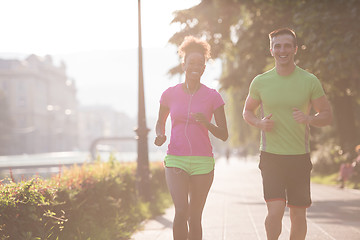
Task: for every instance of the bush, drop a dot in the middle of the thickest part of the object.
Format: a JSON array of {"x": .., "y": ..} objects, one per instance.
[
  {"x": 328, "y": 158},
  {"x": 95, "y": 201},
  {"x": 26, "y": 211}
]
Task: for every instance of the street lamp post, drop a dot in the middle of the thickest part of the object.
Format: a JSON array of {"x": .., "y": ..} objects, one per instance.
[
  {"x": 50, "y": 124},
  {"x": 143, "y": 173}
]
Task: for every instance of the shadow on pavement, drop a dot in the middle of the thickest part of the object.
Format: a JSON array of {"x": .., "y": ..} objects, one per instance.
[
  {"x": 336, "y": 211},
  {"x": 165, "y": 222}
]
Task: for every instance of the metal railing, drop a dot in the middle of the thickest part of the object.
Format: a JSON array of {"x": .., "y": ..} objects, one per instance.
[{"x": 107, "y": 139}]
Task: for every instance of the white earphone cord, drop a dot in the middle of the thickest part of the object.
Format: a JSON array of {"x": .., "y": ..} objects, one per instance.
[
  {"x": 186, "y": 125},
  {"x": 188, "y": 118}
]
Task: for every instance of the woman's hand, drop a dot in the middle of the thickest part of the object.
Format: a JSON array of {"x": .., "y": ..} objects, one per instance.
[
  {"x": 220, "y": 129},
  {"x": 159, "y": 140},
  {"x": 200, "y": 118},
  {"x": 160, "y": 125}
]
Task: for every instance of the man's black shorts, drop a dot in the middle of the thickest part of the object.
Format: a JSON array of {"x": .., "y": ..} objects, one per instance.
[{"x": 286, "y": 178}]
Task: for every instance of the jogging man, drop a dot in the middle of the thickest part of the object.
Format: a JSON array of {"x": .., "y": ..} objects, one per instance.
[{"x": 285, "y": 95}]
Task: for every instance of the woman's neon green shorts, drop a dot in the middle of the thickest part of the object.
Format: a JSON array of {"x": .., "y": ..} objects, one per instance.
[{"x": 193, "y": 165}]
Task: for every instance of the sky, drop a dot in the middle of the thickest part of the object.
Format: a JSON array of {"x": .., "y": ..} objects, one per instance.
[
  {"x": 97, "y": 40},
  {"x": 67, "y": 26}
]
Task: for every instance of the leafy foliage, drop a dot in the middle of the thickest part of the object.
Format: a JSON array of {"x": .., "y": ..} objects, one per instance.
[
  {"x": 94, "y": 201},
  {"x": 328, "y": 37},
  {"x": 26, "y": 211}
]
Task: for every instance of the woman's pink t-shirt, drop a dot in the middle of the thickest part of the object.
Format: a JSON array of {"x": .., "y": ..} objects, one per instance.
[{"x": 188, "y": 137}]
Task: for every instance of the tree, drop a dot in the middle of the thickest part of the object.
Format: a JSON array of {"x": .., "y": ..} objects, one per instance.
[
  {"x": 331, "y": 43},
  {"x": 329, "y": 40}
]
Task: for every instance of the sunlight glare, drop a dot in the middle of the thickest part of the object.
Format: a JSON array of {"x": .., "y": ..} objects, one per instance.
[{"x": 65, "y": 26}]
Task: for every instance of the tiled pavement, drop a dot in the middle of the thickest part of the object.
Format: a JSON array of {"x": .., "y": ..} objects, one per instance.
[{"x": 235, "y": 209}]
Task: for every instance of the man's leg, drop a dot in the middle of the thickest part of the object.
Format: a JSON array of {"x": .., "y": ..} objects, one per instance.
[
  {"x": 273, "y": 221},
  {"x": 298, "y": 223},
  {"x": 299, "y": 195}
]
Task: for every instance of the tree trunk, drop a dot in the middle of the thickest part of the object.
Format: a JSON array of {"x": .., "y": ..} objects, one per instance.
[{"x": 345, "y": 122}]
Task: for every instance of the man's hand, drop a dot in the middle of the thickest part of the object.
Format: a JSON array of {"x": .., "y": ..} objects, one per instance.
[
  {"x": 159, "y": 140},
  {"x": 300, "y": 117},
  {"x": 266, "y": 124}
]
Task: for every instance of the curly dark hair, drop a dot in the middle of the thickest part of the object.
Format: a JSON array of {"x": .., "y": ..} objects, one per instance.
[{"x": 193, "y": 44}]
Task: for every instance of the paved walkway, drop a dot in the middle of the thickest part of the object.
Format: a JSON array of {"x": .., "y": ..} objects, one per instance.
[{"x": 235, "y": 209}]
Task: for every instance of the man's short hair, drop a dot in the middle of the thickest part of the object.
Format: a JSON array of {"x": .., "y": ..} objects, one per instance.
[{"x": 282, "y": 31}]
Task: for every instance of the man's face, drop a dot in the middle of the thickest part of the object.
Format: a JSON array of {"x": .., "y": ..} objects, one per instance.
[{"x": 283, "y": 49}]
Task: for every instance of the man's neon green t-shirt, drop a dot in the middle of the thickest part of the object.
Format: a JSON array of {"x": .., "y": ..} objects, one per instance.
[{"x": 278, "y": 96}]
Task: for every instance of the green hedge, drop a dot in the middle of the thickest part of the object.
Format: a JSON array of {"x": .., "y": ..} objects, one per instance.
[{"x": 94, "y": 202}]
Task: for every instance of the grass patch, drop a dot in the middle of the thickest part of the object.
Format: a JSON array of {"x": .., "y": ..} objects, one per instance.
[{"x": 331, "y": 179}]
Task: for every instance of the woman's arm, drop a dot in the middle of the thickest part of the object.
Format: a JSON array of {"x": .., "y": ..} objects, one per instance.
[
  {"x": 220, "y": 129},
  {"x": 160, "y": 125}
]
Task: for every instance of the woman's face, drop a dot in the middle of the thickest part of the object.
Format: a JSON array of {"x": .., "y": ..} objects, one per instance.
[{"x": 194, "y": 65}]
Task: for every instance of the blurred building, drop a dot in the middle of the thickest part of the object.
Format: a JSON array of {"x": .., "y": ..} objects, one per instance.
[
  {"x": 102, "y": 122},
  {"x": 42, "y": 105}
]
